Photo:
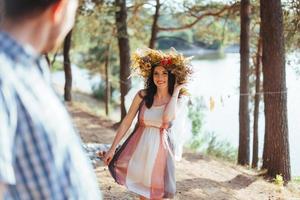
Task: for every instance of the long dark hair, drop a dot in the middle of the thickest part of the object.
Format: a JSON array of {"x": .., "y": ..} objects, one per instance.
[{"x": 151, "y": 88}]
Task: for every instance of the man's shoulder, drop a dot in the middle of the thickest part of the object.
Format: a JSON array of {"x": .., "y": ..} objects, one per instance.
[
  {"x": 7, "y": 74},
  {"x": 7, "y": 100},
  {"x": 6, "y": 64},
  {"x": 4, "y": 57}
]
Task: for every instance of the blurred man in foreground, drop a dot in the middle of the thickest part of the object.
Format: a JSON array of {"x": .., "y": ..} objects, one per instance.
[{"x": 40, "y": 154}]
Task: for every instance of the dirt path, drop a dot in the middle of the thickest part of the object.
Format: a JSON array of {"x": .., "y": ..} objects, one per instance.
[{"x": 198, "y": 177}]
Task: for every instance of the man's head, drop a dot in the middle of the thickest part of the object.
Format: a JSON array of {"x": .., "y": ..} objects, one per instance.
[
  {"x": 54, "y": 18},
  {"x": 20, "y": 8}
]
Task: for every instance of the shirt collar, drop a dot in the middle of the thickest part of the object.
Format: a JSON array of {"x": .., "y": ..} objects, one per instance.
[{"x": 16, "y": 50}]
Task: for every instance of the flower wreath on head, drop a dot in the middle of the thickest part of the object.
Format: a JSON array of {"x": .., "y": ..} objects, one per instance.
[{"x": 144, "y": 59}]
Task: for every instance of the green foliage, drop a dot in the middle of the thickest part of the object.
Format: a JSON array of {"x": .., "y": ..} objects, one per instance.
[
  {"x": 93, "y": 32},
  {"x": 278, "y": 180},
  {"x": 99, "y": 92},
  {"x": 216, "y": 33},
  {"x": 296, "y": 179},
  {"x": 208, "y": 143},
  {"x": 140, "y": 19},
  {"x": 180, "y": 40},
  {"x": 196, "y": 116},
  {"x": 291, "y": 13},
  {"x": 95, "y": 28},
  {"x": 196, "y": 143},
  {"x": 220, "y": 148},
  {"x": 57, "y": 66},
  {"x": 186, "y": 35}
]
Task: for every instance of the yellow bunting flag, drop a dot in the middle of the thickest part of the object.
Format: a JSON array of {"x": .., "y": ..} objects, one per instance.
[{"x": 211, "y": 104}]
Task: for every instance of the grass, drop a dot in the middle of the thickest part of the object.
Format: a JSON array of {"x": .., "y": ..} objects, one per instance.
[
  {"x": 210, "y": 145},
  {"x": 296, "y": 179},
  {"x": 207, "y": 143}
]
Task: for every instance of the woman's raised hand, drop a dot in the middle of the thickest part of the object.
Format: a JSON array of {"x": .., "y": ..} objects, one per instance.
[{"x": 178, "y": 87}]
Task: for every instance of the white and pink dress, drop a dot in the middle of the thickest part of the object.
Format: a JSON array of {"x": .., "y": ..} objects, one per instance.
[{"x": 145, "y": 161}]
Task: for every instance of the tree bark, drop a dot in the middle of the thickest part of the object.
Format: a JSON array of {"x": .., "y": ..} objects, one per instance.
[
  {"x": 107, "y": 82},
  {"x": 67, "y": 67},
  {"x": 154, "y": 29},
  {"x": 124, "y": 52},
  {"x": 276, "y": 147},
  {"x": 244, "y": 136},
  {"x": 209, "y": 13},
  {"x": 256, "y": 103}
]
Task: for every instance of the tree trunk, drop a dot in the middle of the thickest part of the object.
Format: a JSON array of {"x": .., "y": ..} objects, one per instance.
[
  {"x": 124, "y": 52},
  {"x": 154, "y": 29},
  {"x": 244, "y": 137},
  {"x": 107, "y": 83},
  {"x": 67, "y": 67},
  {"x": 256, "y": 103},
  {"x": 276, "y": 147}
]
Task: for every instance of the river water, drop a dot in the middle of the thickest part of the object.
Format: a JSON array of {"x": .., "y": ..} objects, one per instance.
[{"x": 217, "y": 82}]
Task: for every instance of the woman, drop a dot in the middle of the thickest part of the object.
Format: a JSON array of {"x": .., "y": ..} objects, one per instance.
[{"x": 145, "y": 162}]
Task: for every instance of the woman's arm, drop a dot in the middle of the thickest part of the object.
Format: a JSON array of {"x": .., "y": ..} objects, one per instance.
[
  {"x": 170, "y": 111},
  {"x": 126, "y": 123},
  {"x": 2, "y": 189}
]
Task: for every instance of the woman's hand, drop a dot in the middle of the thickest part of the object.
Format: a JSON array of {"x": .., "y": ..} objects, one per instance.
[
  {"x": 178, "y": 87},
  {"x": 108, "y": 156}
]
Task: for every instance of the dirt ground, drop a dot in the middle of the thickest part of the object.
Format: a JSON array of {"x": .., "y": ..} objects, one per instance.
[{"x": 197, "y": 176}]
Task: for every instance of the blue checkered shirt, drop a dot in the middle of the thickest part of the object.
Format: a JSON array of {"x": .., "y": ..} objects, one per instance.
[{"x": 41, "y": 156}]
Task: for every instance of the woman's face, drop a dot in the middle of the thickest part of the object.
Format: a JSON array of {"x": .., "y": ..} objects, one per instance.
[{"x": 160, "y": 77}]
